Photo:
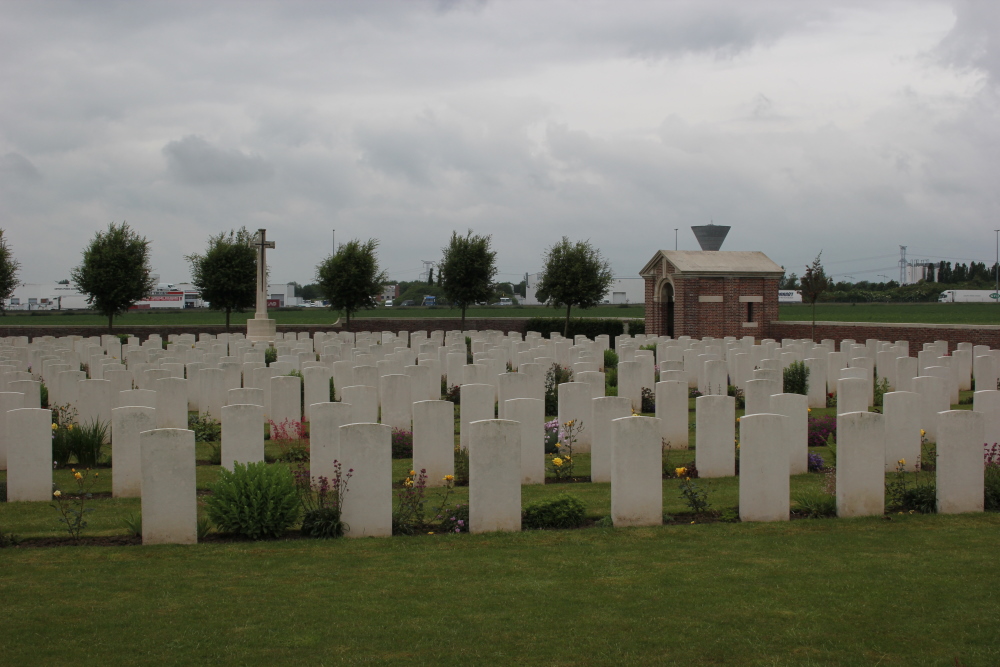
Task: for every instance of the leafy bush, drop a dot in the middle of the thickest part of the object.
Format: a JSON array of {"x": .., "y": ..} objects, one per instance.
[
  {"x": 796, "y": 378},
  {"x": 918, "y": 495},
  {"x": 71, "y": 441},
  {"x": 648, "y": 400},
  {"x": 402, "y": 443},
  {"x": 255, "y": 500},
  {"x": 270, "y": 355},
  {"x": 554, "y": 377},
  {"x": 323, "y": 502},
  {"x": 821, "y": 429},
  {"x": 44, "y": 394},
  {"x": 610, "y": 360},
  {"x": 991, "y": 457},
  {"x": 290, "y": 436},
  {"x": 591, "y": 328},
  {"x": 737, "y": 393},
  {"x": 611, "y": 379},
  {"x": 815, "y": 504},
  {"x": 636, "y": 327},
  {"x": 454, "y": 394},
  {"x": 563, "y": 511},
  {"x": 461, "y": 466},
  {"x": 409, "y": 517},
  {"x": 456, "y": 520},
  {"x": 205, "y": 428}
]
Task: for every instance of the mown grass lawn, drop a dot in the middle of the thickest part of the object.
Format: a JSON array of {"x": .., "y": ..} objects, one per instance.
[
  {"x": 920, "y": 313},
  {"x": 194, "y": 317}
]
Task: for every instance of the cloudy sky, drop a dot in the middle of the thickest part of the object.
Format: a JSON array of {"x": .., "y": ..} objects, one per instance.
[{"x": 851, "y": 127}]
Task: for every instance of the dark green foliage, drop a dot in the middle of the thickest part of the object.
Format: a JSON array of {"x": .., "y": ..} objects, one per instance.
[
  {"x": 573, "y": 274},
  {"x": 611, "y": 378},
  {"x": 648, "y": 400},
  {"x": 256, "y": 500},
  {"x": 88, "y": 441},
  {"x": 737, "y": 393},
  {"x": 206, "y": 429},
  {"x": 350, "y": 279},
  {"x": 270, "y": 355},
  {"x": 636, "y": 327},
  {"x": 226, "y": 275},
  {"x": 467, "y": 269},
  {"x": 815, "y": 504},
  {"x": 920, "y": 498},
  {"x": 591, "y": 328},
  {"x": 563, "y": 511},
  {"x": 323, "y": 523},
  {"x": 796, "y": 378},
  {"x": 554, "y": 377},
  {"x": 115, "y": 272},
  {"x": 9, "y": 268},
  {"x": 44, "y": 394},
  {"x": 610, "y": 360}
]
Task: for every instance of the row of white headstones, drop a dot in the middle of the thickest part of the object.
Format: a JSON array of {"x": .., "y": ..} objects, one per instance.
[{"x": 398, "y": 377}]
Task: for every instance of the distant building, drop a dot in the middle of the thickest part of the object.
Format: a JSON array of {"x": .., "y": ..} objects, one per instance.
[
  {"x": 281, "y": 295},
  {"x": 389, "y": 292},
  {"x": 622, "y": 290}
]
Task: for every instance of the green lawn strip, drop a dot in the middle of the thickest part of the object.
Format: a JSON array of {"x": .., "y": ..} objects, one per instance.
[
  {"x": 920, "y": 313},
  {"x": 192, "y": 317},
  {"x": 915, "y": 590}
]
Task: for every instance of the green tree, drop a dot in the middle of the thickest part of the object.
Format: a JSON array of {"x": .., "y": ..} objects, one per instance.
[
  {"x": 350, "y": 279},
  {"x": 467, "y": 269},
  {"x": 115, "y": 271},
  {"x": 310, "y": 292},
  {"x": 430, "y": 276},
  {"x": 226, "y": 275},
  {"x": 813, "y": 283},
  {"x": 574, "y": 274},
  {"x": 9, "y": 268}
]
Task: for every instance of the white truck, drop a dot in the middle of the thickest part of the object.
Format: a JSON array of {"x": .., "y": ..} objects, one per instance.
[
  {"x": 968, "y": 296},
  {"x": 789, "y": 296}
]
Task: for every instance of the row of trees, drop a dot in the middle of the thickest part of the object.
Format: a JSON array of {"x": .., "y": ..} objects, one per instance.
[{"x": 115, "y": 273}]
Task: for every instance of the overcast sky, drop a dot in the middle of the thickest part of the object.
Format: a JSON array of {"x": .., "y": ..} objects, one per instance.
[{"x": 847, "y": 127}]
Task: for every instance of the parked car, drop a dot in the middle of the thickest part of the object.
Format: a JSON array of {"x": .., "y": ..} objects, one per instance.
[
  {"x": 387, "y": 303},
  {"x": 408, "y": 302}
]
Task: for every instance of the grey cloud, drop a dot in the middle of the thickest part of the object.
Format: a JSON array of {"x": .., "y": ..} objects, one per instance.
[
  {"x": 974, "y": 41},
  {"x": 194, "y": 161},
  {"x": 16, "y": 167}
]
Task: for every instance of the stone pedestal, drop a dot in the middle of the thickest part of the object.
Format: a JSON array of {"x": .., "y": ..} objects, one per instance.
[{"x": 261, "y": 329}]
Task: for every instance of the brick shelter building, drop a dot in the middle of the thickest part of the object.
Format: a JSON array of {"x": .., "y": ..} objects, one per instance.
[{"x": 711, "y": 293}]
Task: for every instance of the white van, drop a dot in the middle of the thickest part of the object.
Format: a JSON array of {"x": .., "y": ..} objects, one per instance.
[{"x": 387, "y": 303}]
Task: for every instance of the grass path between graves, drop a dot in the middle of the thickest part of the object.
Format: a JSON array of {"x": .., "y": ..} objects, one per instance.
[{"x": 917, "y": 590}]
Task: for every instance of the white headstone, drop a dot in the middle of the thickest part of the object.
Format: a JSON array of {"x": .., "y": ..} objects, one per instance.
[
  {"x": 960, "y": 480},
  {"x": 636, "y": 472},
  {"x": 530, "y": 414},
  {"x": 715, "y": 436},
  {"x": 169, "y": 493},
  {"x": 764, "y": 482},
  {"x": 126, "y": 424},
  {"x": 860, "y": 464},
  {"x": 606, "y": 410},
  {"x": 434, "y": 439},
  {"x": 495, "y": 476},
  {"x": 367, "y": 453}
]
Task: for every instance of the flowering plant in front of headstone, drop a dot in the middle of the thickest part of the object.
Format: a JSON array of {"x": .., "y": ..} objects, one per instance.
[
  {"x": 322, "y": 501},
  {"x": 402, "y": 443},
  {"x": 552, "y": 436},
  {"x": 410, "y": 515},
  {"x": 72, "y": 506},
  {"x": 291, "y": 438},
  {"x": 561, "y": 463},
  {"x": 695, "y": 496},
  {"x": 916, "y": 495},
  {"x": 821, "y": 430}
]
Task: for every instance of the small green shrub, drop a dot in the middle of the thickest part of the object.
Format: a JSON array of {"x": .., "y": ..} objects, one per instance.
[
  {"x": 610, "y": 360},
  {"x": 796, "y": 378},
  {"x": 815, "y": 504},
  {"x": 255, "y": 500},
  {"x": 133, "y": 524},
  {"x": 270, "y": 355},
  {"x": 563, "y": 511},
  {"x": 44, "y": 393},
  {"x": 205, "y": 428}
]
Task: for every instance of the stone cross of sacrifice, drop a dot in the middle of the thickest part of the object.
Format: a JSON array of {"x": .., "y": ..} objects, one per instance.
[{"x": 262, "y": 244}]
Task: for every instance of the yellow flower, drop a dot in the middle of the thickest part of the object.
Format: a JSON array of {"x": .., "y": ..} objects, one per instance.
[
  {"x": 77, "y": 475},
  {"x": 431, "y": 533},
  {"x": 55, "y": 426},
  {"x": 570, "y": 423},
  {"x": 680, "y": 471},
  {"x": 412, "y": 473},
  {"x": 408, "y": 482},
  {"x": 809, "y": 409},
  {"x": 568, "y": 459},
  {"x": 72, "y": 469},
  {"x": 557, "y": 461},
  {"x": 97, "y": 474},
  {"x": 449, "y": 478},
  {"x": 737, "y": 420},
  {"x": 57, "y": 493},
  {"x": 69, "y": 428},
  {"x": 923, "y": 432},
  {"x": 692, "y": 522},
  {"x": 901, "y": 462}
]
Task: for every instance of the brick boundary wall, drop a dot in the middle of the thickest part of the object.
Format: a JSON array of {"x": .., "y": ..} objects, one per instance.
[
  {"x": 917, "y": 334},
  {"x": 507, "y": 324}
]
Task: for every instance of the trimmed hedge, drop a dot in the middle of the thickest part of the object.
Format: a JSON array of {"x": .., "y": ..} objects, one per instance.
[{"x": 589, "y": 327}]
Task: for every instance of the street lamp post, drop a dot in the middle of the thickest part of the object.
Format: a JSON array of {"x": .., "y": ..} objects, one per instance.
[
  {"x": 996, "y": 267},
  {"x": 675, "y": 237}
]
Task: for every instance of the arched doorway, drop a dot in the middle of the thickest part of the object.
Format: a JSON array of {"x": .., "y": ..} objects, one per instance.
[{"x": 667, "y": 308}]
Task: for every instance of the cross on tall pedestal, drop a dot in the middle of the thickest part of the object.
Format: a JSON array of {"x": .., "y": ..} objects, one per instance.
[
  {"x": 260, "y": 328},
  {"x": 262, "y": 244}
]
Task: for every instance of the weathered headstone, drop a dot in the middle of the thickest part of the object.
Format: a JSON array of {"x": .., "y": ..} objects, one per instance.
[
  {"x": 636, "y": 473},
  {"x": 495, "y": 476},
  {"x": 169, "y": 493}
]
